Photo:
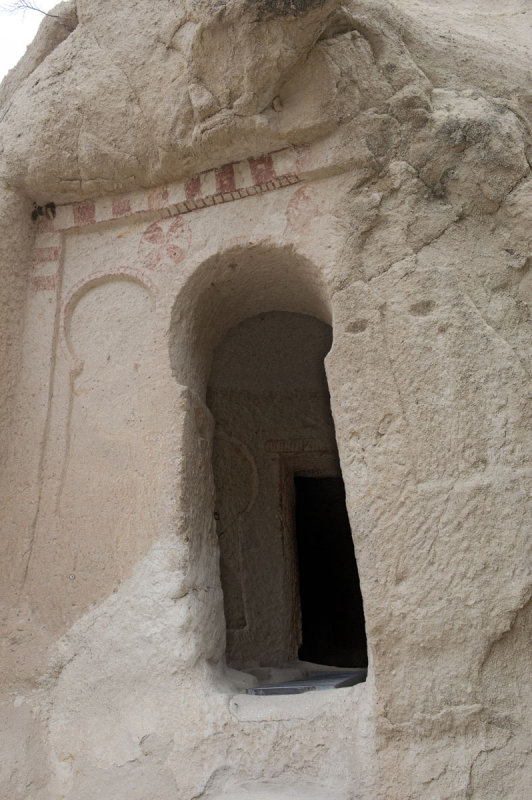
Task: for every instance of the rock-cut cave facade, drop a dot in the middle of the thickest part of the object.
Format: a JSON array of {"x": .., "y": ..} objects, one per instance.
[{"x": 265, "y": 357}]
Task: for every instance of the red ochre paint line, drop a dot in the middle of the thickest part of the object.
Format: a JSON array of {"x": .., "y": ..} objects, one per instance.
[
  {"x": 229, "y": 197},
  {"x": 41, "y": 255},
  {"x": 193, "y": 188},
  {"x": 84, "y": 213},
  {"x": 262, "y": 170},
  {"x": 41, "y": 283},
  {"x": 87, "y": 214},
  {"x": 121, "y": 207},
  {"x": 225, "y": 179}
]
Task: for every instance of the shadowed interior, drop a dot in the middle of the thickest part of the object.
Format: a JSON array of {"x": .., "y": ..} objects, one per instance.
[
  {"x": 287, "y": 564},
  {"x": 332, "y": 614}
]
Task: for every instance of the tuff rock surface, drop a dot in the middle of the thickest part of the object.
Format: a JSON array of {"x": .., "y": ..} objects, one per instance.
[{"x": 403, "y": 220}]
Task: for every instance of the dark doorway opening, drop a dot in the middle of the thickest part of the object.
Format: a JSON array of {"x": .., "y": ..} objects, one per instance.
[{"x": 332, "y": 614}]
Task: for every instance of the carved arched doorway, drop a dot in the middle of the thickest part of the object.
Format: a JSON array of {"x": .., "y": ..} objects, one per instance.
[{"x": 250, "y": 332}]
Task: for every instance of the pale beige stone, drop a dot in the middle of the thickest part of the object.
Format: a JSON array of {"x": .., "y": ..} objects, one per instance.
[{"x": 234, "y": 182}]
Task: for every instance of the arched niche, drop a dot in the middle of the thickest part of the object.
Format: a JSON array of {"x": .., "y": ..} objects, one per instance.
[
  {"x": 273, "y": 448},
  {"x": 230, "y": 287}
]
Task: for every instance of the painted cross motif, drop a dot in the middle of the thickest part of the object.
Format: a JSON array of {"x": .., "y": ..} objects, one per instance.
[{"x": 165, "y": 243}]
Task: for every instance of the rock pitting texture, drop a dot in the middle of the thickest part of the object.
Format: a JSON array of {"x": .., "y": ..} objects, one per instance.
[{"x": 138, "y": 98}]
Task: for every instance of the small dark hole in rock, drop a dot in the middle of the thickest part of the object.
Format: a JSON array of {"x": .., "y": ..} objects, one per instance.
[
  {"x": 357, "y": 326},
  {"x": 422, "y": 308}
]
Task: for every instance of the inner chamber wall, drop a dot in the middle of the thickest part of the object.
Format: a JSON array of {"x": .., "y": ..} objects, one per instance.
[{"x": 269, "y": 397}]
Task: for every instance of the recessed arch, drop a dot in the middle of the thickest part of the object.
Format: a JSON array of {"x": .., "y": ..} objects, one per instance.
[
  {"x": 231, "y": 286},
  {"x": 230, "y": 302}
]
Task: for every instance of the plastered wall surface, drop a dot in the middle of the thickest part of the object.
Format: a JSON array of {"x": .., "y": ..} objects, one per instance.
[{"x": 365, "y": 165}]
